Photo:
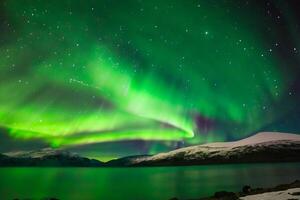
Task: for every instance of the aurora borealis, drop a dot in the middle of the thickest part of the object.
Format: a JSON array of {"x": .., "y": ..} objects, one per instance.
[{"x": 112, "y": 78}]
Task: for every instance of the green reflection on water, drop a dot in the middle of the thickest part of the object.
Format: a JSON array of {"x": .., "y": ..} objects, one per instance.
[{"x": 157, "y": 183}]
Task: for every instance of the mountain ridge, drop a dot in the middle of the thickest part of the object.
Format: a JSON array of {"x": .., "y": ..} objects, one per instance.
[
  {"x": 47, "y": 157},
  {"x": 262, "y": 147}
]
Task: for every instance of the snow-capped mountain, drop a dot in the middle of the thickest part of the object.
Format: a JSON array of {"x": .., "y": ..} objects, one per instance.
[
  {"x": 262, "y": 147},
  {"x": 46, "y": 157}
]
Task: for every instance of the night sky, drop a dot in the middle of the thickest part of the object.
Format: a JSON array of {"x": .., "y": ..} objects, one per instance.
[{"x": 115, "y": 78}]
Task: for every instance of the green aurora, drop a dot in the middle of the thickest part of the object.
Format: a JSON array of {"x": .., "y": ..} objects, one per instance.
[{"x": 77, "y": 73}]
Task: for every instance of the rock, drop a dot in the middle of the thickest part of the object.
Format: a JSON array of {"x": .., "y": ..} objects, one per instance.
[
  {"x": 224, "y": 195},
  {"x": 246, "y": 189}
]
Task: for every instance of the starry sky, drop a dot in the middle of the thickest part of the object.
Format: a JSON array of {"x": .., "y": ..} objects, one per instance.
[{"x": 110, "y": 78}]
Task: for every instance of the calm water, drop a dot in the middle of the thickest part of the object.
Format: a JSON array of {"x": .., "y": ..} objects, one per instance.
[{"x": 158, "y": 183}]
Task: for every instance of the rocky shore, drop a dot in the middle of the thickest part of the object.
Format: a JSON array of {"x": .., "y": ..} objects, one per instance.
[{"x": 289, "y": 191}]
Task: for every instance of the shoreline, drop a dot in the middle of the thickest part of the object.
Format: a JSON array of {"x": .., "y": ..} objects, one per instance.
[{"x": 282, "y": 191}]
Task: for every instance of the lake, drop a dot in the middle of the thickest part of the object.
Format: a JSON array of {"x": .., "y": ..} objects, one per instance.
[{"x": 149, "y": 183}]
